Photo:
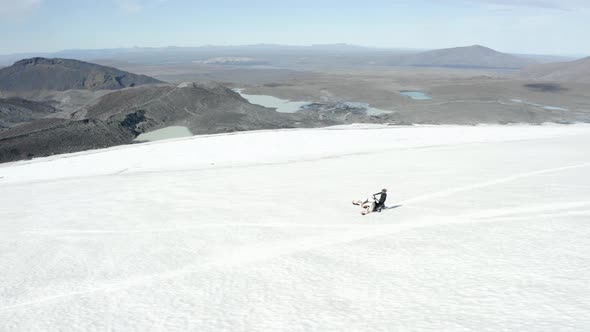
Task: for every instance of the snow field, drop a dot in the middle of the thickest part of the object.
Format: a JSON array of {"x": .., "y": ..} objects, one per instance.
[{"x": 255, "y": 232}]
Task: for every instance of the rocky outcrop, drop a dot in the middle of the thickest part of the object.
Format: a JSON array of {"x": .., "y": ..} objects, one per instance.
[
  {"x": 47, "y": 137},
  {"x": 16, "y": 110}
]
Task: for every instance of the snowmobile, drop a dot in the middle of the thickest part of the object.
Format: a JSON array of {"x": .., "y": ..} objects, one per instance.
[{"x": 368, "y": 205}]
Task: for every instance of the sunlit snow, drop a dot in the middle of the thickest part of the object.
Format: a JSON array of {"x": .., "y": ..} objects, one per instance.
[{"x": 256, "y": 231}]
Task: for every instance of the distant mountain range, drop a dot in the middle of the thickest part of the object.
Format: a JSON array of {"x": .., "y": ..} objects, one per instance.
[
  {"x": 65, "y": 74},
  {"x": 464, "y": 57},
  {"x": 235, "y": 61},
  {"x": 287, "y": 56},
  {"x": 573, "y": 71}
]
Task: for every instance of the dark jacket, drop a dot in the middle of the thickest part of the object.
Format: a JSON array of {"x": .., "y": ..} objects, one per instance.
[{"x": 382, "y": 198}]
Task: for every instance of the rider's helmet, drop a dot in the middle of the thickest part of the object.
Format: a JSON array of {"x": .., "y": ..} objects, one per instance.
[{"x": 383, "y": 190}]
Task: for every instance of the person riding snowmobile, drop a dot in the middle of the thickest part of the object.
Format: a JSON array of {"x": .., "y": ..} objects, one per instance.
[{"x": 380, "y": 202}]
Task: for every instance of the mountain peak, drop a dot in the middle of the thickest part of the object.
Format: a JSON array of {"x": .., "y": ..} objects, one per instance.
[
  {"x": 480, "y": 47},
  {"x": 474, "y": 56},
  {"x": 65, "y": 74},
  {"x": 49, "y": 61},
  {"x": 570, "y": 71},
  {"x": 472, "y": 48}
]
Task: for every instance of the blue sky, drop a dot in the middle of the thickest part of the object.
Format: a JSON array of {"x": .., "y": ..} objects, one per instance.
[{"x": 527, "y": 26}]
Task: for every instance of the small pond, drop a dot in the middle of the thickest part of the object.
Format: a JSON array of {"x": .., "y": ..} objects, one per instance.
[
  {"x": 416, "y": 95},
  {"x": 165, "y": 133},
  {"x": 281, "y": 105}
]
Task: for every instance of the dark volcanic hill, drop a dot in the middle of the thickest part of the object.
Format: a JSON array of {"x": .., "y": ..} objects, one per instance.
[
  {"x": 205, "y": 108},
  {"x": 65, "y": 74},
  {"x": 464, "y": 57},
  {"x": 572, "y": 71},
  {"x": 16, "y": 110}
]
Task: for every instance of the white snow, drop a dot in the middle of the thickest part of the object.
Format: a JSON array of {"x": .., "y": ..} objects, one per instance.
[{"x": 256, "y": 232}]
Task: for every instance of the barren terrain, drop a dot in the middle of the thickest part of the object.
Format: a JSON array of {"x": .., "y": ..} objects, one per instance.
[{"x": 459, "y": 96}]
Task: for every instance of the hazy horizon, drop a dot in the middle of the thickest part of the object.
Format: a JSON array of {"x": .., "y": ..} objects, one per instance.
[
  {"x": 546, "y": 27},
  {"x": 284, "y": 46}
]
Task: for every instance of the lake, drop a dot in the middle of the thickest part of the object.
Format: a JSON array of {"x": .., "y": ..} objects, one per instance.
[
  {"x": 281, "y": 105},
  {"x": 417, "y": 95},
  {"x": 165, "y": 133},
  {"x": 287, "y": 106}
]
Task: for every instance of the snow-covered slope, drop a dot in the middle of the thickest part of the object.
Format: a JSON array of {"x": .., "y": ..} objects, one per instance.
[{"x": 255, "y": 232}]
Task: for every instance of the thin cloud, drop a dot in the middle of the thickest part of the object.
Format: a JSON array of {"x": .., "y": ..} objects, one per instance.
[
  {"x": 136, "y": 6},
  {"x": 130, "y": 6},
  {"x": 547, "y": 4},
  {"x": 17, "y": 8}
]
